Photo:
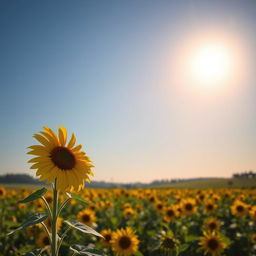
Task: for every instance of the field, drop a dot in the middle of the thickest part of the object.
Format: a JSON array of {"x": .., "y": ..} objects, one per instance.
[{"x": 149, "y": 222}]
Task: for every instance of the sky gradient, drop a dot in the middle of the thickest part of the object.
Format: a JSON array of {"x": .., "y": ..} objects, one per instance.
[{"x": 106, "y": 70}]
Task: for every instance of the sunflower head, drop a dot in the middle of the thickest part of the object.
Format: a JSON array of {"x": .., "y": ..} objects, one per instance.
[
  {"x": 239, "y": 208},
  {"x": 57, "y": 160},
  {"x": 87, "y": 217},
  {"x": 212, "y": 224},
  {"x": 43, "y": 240},
  {"x": 212, "y": 243},
  {"x": 188, "y": 206},
  {"x": 2, "y": 192},
  {"x": 124, "y": 242},
  {"x": 168, "y": 243},
  {"x": 107, "y": 234}
]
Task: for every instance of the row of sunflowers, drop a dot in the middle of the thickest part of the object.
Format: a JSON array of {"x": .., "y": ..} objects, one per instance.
[{"x": 139, "y": 222}]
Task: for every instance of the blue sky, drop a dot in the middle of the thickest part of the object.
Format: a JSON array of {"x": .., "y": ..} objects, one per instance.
[{"x": 104, "y": 70}]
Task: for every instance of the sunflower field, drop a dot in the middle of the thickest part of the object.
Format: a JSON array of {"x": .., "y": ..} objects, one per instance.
[{"x": 139, "y": 222}]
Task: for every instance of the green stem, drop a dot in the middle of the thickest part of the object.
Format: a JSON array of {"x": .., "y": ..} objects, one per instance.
[
  {"x": 54, "y": 220},
  {"x": 63, "y": 206},
  {"x": 47, "y": 206}
]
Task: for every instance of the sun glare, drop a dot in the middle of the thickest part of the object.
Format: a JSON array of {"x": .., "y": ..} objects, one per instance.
[{"x": 211, "y": 65}]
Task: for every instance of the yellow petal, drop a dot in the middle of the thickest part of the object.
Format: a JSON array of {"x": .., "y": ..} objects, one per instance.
[
  {"x": 61, "y": 138},
  {"x": 72, "y": 141},
  {"x": 42, "y": 140}
]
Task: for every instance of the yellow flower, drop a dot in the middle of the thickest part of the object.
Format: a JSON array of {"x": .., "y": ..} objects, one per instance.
[
  {"x": 124, "y": 242},
  {"x": 212, "y": 244},
  {"x": 253, "y": 238},
  {"x": 43, "y": 240},
  {"x": 252, "y": 212},
  {"x": 55, "y": 160},
  {"x": 170, "y": 213},
  {"x": 209, "y": 206},
  {"x": 239, "y": 208},
  {"x": 87, "y": 217},
  {"x": 128, "y": 212},
  {"x": 212, "y": 224},
  {"x": 2, "y": 192},
  {"x": 107, "y": 234},
  {"x": 188, "y": 206}
]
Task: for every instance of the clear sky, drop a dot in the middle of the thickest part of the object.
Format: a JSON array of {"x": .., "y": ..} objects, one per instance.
[{"x": 111, "y": 71}]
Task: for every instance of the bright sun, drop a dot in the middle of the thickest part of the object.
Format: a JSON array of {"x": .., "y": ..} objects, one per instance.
[{"x": 211, "y": 65}]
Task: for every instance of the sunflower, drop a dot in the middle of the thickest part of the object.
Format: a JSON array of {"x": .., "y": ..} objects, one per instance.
[
  {"x": 128, "y": 212},
  {"x": 212, "y": 224},
  {"x": 170, "y": 213},
  {"x": 239, "y": 208},
  {"x": 168, "y": 243},
  {"x": 87, "y": 217},
  {"x": 124, "y": 242},
  {"x": 252, "y": 212},
  {"x": 107, "y": 234},
  {"x": 43, "y": 240},
  {"x": 209, "y": 207},
  {"x": 188, "y": 206},
  {"x": 212, "y": 244},
  {"x": 2, "y": 192},
  {"x": 55, "y": 160}
]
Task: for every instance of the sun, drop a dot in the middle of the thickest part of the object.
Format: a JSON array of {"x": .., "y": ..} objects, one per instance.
[{"x": 211, "y": 65}]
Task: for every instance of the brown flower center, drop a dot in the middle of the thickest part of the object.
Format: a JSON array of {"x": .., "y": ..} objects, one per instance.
[
  {"x": 189, "y": 207},
  {"x": 170, "y": 213},
  {"x": 240, "y": 208},
  {"x": 212, "y": 225},
  {"x": 63, "y": 158},
  {"x": 209, "y": 207},
  {"x": 86, "y": 218},
  {"x": 213, "y": 244},
  {"x": 107, "y": 237},
  {"x": 46, "y": 240},
  {"x": 125, "y": 242}
]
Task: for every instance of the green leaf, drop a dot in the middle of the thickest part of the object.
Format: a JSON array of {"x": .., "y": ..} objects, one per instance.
[
  {"x": 35, "y": 252},
  {"x": 77, "y": 197},
  {"x": 37, "y": 194},
  {"x": 191, "y": 238},
  {"x": 34, "y": 219},
  {"x": 82, "y": 227},
  {"x": 83, "y": 250}
]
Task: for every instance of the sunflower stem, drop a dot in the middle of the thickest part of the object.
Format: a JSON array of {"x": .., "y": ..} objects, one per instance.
[
  {"x": 54, "y": 220},
  {"x": 63, "y": 206},
  {"x": 47, "y": 206}
]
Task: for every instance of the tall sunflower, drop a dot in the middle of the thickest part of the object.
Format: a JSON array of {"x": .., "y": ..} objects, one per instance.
[
  {"x": 124, "y": 242},
  {"x": 212, "y": 244},
  {"x": 61, "y": 161}
]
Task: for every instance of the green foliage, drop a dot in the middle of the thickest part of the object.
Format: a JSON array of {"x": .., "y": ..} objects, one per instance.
[
  {"x": 84, "y": 250},
  {"x": 37, "y": 194},
  {"x": 33, "y": 219},
  {"x": 82, "y": 227}
]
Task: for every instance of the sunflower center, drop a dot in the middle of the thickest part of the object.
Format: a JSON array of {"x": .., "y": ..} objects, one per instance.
[
  {"x": 170, "y": 213},
  {"x": 107, "y": 237},
  {"x": 209, "y": 207},
  {"x": 189, "y": 207},
  {"x": 240, "y": 208},
  {"x": 46, "y": 240},
  {"x": 213, "y": 244},
  {"x": 86, "y": 218},
  {"x": 212, "y": 225},
  {"x": 1, "y": 192},
  {"x": 63, "y": 158},
  {"x": 125, "y": 242}
]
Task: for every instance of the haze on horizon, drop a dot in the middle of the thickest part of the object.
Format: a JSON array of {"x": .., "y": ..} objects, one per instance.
[{"x": 118, "y": 74}]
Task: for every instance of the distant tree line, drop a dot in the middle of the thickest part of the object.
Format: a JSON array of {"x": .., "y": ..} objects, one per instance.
[
  {"x": 246, "y": 174},
  {"x": 18, "y": 179}
]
